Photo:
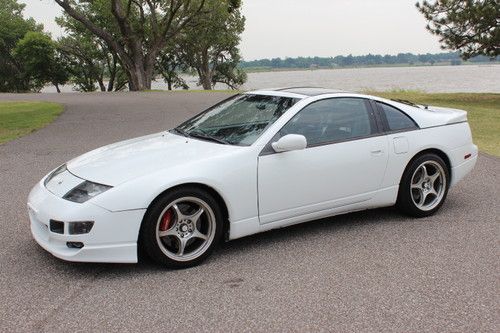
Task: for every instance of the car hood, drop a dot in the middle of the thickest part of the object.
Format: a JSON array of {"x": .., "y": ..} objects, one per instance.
[{"x": 127, "y": 160}]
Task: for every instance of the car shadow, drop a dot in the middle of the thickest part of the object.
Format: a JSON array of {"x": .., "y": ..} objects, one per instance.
[{"x": 239, "y": 247}]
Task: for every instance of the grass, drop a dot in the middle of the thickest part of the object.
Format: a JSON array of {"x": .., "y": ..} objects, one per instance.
[
  {"x": 483, "y": 112},
  {"x": 20, "y": 118}
]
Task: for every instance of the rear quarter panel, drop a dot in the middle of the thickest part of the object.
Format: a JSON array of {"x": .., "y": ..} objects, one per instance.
[{"x": 454, "y": 140}]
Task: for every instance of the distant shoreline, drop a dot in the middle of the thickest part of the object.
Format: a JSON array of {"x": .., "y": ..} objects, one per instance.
[
  {"x": 295, "y": 69},
  {"x": 437, "y": 78}
]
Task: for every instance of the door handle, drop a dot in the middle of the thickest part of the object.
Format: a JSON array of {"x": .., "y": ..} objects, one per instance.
[{"x": 377, "y": 152}]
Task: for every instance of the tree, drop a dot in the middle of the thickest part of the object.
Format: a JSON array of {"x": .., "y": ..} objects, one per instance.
[
  {"x": 169, "y": 66},
  {"x": 136, "y": 30},
  {"x": 469, "y": 26},
  {"x": 210, "y": 44},
  {"x": 13, "y": 27},
  {"x": 89, "y": 58},
  {"x": 228, "y": 73},
  {"x": 91, "y": 63},
  {"x": 40, "y": 62},
  {"x": 364, "y": 60}
]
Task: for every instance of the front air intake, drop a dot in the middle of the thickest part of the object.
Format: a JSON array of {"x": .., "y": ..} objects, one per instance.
[
  {"x": 57, "y": 226},
  {"x": 74, "y": 245}
]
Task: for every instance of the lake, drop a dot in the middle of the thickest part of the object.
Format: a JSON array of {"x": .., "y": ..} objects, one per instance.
[{"x": 465, "y": 78}]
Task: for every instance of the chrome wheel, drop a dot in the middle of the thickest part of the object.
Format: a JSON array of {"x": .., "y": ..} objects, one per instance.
[
  {"x": 185, "y": 228},
  {"x": 428, "y": 185}
]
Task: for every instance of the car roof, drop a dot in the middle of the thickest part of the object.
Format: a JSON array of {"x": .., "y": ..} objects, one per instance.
[
  {"x": 310, "y": 91},
  {"x": 422, "y": 116},
  {"x": 300, "y": 91}
]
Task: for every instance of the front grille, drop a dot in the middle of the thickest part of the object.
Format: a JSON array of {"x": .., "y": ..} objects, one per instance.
[{"x": 57, "y": 226}]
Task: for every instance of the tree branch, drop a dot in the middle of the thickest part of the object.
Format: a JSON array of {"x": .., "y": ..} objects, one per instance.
[{"x": 99, "y": 32}]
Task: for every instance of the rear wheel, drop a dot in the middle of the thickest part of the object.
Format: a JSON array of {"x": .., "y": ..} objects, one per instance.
[
  {"x": 424, "y": 186},
  {"x": 182, "y": 227}
]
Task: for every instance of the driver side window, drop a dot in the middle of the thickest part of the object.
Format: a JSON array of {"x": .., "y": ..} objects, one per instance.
[{"x": 332, "y": 120}]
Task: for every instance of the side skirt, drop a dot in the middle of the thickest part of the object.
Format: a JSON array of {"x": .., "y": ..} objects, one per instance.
[{"x": 384, "y": 198}]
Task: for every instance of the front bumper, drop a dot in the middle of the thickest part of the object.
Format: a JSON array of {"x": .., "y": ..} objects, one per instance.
[{"x": 113, "y": 238}]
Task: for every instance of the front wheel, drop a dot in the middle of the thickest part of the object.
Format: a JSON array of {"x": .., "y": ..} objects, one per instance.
[
  {"x": 424, "y": 186},
  {"x": 182, "y": 227}
]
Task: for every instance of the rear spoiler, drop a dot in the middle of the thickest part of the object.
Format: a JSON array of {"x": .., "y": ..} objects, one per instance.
[{"x": 449, "y": 115}]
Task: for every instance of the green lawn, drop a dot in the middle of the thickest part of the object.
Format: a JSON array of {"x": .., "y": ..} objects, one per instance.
[
  {"x": 20, "y": 118},
  {"x": 483, "y": 112}
]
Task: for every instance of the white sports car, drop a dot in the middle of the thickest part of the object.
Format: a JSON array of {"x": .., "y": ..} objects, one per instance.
[{"x": 256, "y": 161}]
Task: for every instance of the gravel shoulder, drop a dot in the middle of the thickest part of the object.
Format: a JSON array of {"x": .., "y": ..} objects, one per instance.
[{"x": 369, "y": 271}]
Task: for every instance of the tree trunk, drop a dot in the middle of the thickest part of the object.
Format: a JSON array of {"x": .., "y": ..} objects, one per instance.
[
  {"x": 138, "y": 79},
  {"x": 205, "y": 75},
  {"x": 112, "y": 75},
  {"x": 111, "y": 83},
  {"x": 101, "y": 84},
  {"x": 205, "y": 72},
  {"x": 57, "y": 88},
  {"x": 206, "y": 81}
]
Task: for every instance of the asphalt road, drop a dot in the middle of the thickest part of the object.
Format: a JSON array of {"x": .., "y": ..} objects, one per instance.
[{"x": 369, "y": 271}]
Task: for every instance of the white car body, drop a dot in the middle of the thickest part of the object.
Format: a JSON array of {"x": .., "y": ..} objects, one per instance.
[{"x": 260, "y": 191}]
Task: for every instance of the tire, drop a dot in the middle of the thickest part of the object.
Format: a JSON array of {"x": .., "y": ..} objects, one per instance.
[
  {"x": 181, "y": 228},
  {"x": 424, "y": 186}
]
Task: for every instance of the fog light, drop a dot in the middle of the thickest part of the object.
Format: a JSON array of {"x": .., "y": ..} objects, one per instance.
[
  {"x": 78, "y": 228},
  {"x": 74, "y": 245}
]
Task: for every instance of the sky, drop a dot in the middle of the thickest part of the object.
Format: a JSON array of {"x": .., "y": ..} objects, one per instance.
[{"x": 292, "y": 28}]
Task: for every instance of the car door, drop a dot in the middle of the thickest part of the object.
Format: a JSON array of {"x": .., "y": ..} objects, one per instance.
[{"x": 343, "y": 164}]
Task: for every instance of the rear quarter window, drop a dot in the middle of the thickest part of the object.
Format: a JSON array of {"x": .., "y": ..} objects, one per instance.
[{"x": 397, "y": 120}]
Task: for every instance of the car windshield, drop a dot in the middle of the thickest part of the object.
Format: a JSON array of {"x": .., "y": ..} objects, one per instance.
[{"x": 239, "y": 120}]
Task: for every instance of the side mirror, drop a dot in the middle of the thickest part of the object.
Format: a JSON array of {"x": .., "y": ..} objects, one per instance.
[{"x": 290, "y": 142}]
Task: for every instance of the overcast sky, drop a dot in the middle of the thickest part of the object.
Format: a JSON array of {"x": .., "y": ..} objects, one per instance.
[{"x": 291, "y": 28}]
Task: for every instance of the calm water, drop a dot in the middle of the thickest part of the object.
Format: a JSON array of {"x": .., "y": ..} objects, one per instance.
[{"x": 471, "y": 78}]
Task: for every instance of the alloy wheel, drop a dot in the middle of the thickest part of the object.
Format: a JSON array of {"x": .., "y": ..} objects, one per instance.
[
  {"x": 185, "y": 228},
  {"x": 428, "y": 185}
]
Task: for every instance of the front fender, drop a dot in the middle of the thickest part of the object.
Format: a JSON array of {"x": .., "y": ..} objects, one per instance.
[{"x": 236, "y": 183}]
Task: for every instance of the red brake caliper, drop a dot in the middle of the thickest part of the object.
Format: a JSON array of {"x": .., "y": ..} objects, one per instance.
[{"x": 166, "y": 220}]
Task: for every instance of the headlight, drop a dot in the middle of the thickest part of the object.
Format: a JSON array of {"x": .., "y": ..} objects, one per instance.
[
  {"x": 56, "y": 172},
  {"x": 85, "y": 191}
]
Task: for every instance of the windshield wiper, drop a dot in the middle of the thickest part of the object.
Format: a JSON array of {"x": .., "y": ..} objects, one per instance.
[
  {"x": 199, "y": 135},
  {"x": 206, "y": 136},
  {"x": 180, "y": 131}
]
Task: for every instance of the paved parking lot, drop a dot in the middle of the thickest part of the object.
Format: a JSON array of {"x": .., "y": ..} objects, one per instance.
[{"x": 369, "y": 271}]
